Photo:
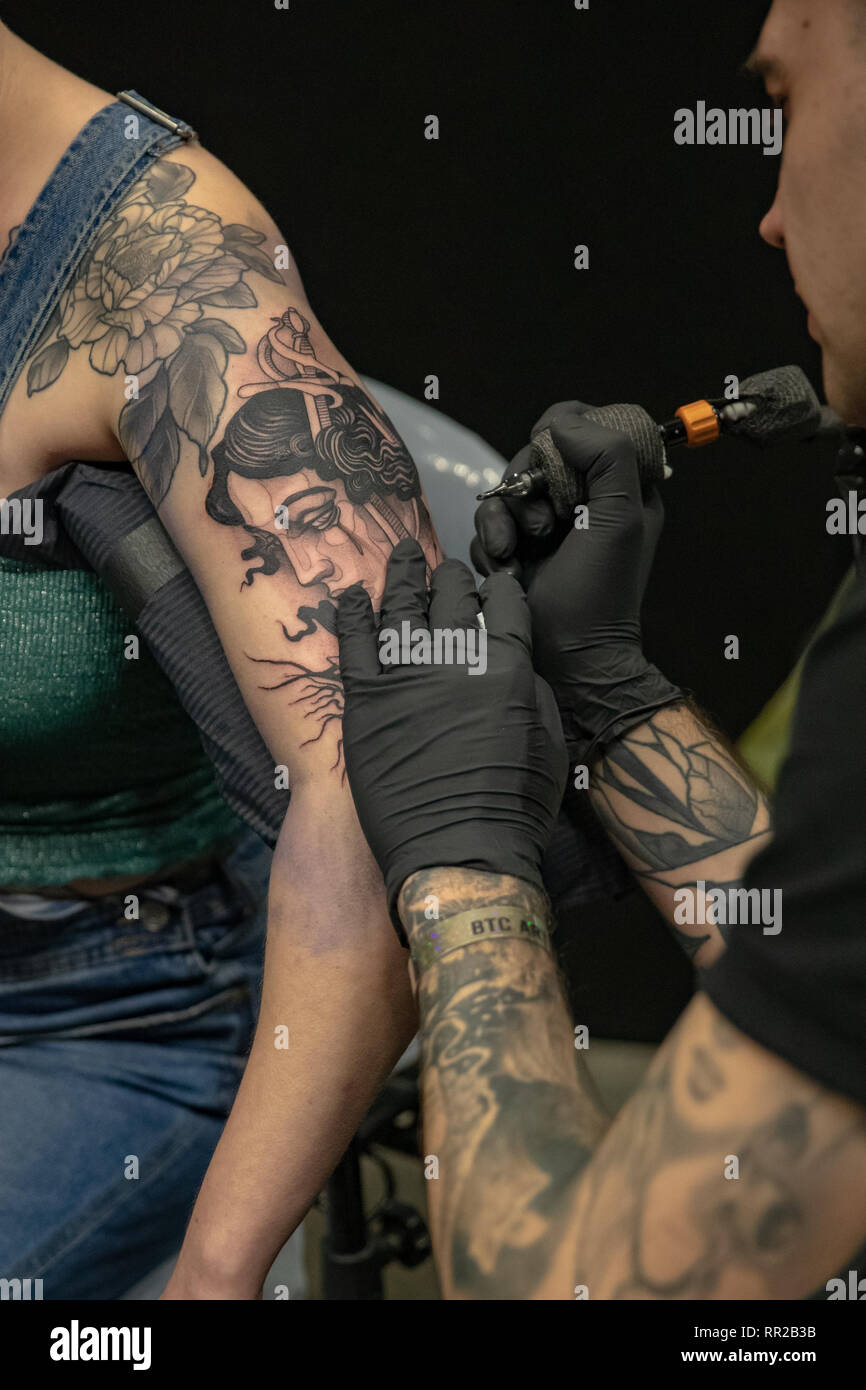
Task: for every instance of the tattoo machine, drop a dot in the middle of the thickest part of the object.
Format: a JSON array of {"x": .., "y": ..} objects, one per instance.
[{"x": 772, "y": 406}]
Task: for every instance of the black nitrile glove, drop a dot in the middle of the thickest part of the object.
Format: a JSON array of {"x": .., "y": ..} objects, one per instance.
[
  {"x": 585, "y": 587},
  {"x": 448, "y": 768}
]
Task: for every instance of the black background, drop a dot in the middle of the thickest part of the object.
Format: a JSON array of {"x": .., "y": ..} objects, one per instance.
[{"x": 455, "y": 257}]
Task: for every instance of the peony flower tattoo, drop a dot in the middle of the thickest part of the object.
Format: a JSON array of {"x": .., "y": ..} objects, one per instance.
[{"x": 138, "y": 301}]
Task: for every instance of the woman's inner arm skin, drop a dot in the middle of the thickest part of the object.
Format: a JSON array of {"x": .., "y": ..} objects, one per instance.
[
  {"x": 727, "y": 1175},
  {"x": 336, "y": 980},
  {"x": 281, "y": 482},
  {"x": 682, "y": 812}
]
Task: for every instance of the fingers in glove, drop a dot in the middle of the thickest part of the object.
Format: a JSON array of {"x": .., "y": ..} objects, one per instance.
[
  {"x": 496, "y": 529},
  {"x": 606, "y": 458},
  {"x": 510, "y": 531},
  {"x": 561, "y": 408},
  {"x": 357, "y": 636},
  {"x": 533, "y": 517},
  {"x": 505, "y": 610},
  {"x": 405, "y": 592},
  {"x": 484, "y": 564},
  {"x": 654, "y": 516},
  {"x": 548, "y": 715},
  {"x": 548, "y": 710},
  {"x": 454, "y": 601}
]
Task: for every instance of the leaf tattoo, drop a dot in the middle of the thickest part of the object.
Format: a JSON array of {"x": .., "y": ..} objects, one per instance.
[
  {"x": 47, "y": 366},
  {"x": 196, "y": 390},
  {"x": 137, "y": 302},
  {"x": 148, "y": 425}
]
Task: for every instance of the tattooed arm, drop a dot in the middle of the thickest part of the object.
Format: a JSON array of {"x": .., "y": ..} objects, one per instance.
[
  {"x": 509, "y": 1109},
  {"x": 282, "y": 482},
  {"x": 677, "y": 805},
  {"x": 279, "y": 478},
  {"x": 728, "y": 1175},
  {"x": 686, "y": 818}
]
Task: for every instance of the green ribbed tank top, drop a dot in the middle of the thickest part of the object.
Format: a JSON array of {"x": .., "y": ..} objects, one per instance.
[{"x": 102, "y": 772}]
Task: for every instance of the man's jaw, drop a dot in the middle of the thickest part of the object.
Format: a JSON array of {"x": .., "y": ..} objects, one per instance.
[{"x": 812, "y": 325}]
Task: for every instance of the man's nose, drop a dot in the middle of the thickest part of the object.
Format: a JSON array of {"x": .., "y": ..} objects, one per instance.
[{"x": 771, "y": 226}]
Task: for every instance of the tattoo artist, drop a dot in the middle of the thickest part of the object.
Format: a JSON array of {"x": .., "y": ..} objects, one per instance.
[{"x": 457, "y": 782}]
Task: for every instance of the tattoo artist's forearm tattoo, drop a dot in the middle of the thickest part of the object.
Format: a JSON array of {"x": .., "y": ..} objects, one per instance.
[
  {"x": 301, "y": 462},
  {"x": 700, "y": 802},
  {"x": 676, "y": 804},
  {"x": 662, "y": 1214},
  {"x": 506, "y": 1112}
]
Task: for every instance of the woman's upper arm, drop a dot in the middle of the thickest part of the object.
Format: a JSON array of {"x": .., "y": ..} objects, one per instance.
[{"x": 278, "y": 477}]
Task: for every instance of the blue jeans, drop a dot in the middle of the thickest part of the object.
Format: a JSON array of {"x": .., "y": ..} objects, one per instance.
[{"x": 122, "y": 1044}]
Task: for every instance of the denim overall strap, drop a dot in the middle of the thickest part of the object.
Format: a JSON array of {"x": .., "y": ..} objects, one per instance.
[{"x": 103, "y": 162}]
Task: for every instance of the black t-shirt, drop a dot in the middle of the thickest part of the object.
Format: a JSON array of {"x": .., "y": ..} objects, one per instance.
[{"x": 802, "y": 993}]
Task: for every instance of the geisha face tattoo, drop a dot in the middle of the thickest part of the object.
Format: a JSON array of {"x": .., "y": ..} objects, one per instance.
[
  {"x": 326, "y": 539},
  {"x": 313, "y": 472}
]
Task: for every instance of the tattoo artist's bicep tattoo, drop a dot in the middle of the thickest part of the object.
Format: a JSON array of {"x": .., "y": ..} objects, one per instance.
[
  {"x": 279, "y": 477},
  {"x": 727, "y": 1175}
]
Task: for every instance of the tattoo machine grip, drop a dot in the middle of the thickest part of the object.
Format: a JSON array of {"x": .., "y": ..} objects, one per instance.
[
  {"x": 770, "y": 407},
  {"x": 564, "y": 486}
]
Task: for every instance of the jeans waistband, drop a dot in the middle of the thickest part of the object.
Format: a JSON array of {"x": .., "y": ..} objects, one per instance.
[{"x": 239, "y": 881}]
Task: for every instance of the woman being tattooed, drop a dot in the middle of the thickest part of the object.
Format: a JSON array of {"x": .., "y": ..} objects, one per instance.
[{"x": 153, "y": 318}]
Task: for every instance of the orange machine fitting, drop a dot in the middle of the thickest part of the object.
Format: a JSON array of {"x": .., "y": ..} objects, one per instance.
[{"x": 701, "y": 422}]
